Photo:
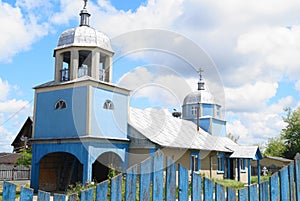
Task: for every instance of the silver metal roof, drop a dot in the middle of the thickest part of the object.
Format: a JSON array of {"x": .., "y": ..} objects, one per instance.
[
  {"x": 251, "y": 152},
  {"x": 84, "y": 36},
  {"x": 162, "y": 128}
]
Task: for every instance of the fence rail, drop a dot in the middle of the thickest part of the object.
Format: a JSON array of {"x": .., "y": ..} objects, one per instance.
[
  {"x": 155, "y": 179},
  {"x": 14, "y": 175}
]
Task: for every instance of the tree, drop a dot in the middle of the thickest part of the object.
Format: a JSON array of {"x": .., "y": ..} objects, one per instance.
[
  {"x": 291, "y": 133},
  {"x": 275, "y": 147},
  {"x": 25, "y": 158}
]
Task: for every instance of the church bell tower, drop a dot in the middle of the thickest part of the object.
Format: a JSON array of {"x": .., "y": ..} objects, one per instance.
[{"x": 81, "y": 117}]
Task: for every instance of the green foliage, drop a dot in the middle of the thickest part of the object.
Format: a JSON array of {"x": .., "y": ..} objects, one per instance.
[
  {"x": 288, "y": 143},
  {"x": 275, "y": 147},
  {"x": 230, "y": 183},
  {"x": 25, "y": 158},
  {"x": 291, "y": 133},
  {"x": 254, "y": 179}
]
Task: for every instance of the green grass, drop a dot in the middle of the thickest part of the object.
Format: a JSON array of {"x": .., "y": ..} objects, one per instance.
[
  {"x": 230, "y": 183},
  {"x": 262, "y": 178}
]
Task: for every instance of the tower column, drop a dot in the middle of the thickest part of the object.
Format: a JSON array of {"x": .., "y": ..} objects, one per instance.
[
  {"x": 108, "y": 69},
  {"x": 74, "y": 64},
  {"x": 58, "y": 66},
  {"x": 95, "y": 64}
]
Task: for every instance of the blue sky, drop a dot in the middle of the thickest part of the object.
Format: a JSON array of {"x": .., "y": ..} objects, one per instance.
[{"x": 252, "y": 47}]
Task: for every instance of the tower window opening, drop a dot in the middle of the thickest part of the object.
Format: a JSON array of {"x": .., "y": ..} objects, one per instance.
[
  {"x": 109, "y": 105},
  {"x": 83, "y": 70},
  {"x": 61, "y": 104},
  {"x": 65, "y": 69},
  {"x": 85, "y": 61}
]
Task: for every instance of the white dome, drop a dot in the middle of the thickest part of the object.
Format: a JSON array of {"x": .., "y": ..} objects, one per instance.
[
  {"x": 200, "y": 96},
  {"x": 84, "y": 36}
]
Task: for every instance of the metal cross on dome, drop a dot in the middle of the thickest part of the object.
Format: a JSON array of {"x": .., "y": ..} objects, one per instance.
[{"x": 85, "y": 2}]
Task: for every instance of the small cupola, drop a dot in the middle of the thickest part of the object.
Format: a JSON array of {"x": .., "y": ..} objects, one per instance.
[{"x": 83, "y": 51}]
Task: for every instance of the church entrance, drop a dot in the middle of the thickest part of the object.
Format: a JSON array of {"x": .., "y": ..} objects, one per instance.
[
  {"x": 105, "y": 164},
  {"x": 58, "y": 171}
]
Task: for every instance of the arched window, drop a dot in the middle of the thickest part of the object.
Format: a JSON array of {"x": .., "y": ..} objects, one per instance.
[
  {"x": 61, "y": 104},
  {"x": 109, "y": 105}
]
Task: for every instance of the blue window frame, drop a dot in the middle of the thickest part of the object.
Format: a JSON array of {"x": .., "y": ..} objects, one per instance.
[
  {"x": 195, "y": 162},
  {"x": 220, "y": 163},
  {"x": 243, "y": 165}
]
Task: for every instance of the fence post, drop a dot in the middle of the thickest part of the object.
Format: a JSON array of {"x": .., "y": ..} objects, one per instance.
[
  {"x": 243, "y": 194},
  {"x": 26, "y": 194},
  {"x": 131, "y": 182},
  {"x": 231, "y": 194},
  {"x": 183, "y": 183},
  {"x": 87, "y": 195},
  {"x": 220, "y": 192},
  {"x": 171, "y": 180},
  {"x": 264, "y": 191},
  {"x": 274, "y": 192},
  {"x": 59, "y": 197},
  {"x": 291, "y": 180},
  {"x": 196, "y": 187},
  {"x": 9, "y": 191},
  {"x": 284, "y": 184},
  {"x": 158, "y": 177},
  {"x": 101, "y": 191},
  {"x": 116, "y": 188},
  {"x": 297, "y": 176},
  {"x": 252, "y": 193},
  {"x": 145, "y": 179},
  {"x": 43, "y": 196},
  {"x": 208, "y": 189}
]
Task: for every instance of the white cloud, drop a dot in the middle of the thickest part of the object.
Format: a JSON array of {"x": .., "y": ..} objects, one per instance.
[
  {"x": 4, "y": 89},
  {"x": 257, "y": 127},
  {"x": 250, "y": 97},
  {"x": 13, "y": 105},
  {"x": 15, "y": 26},
  {"x": 6, "y": 139}
]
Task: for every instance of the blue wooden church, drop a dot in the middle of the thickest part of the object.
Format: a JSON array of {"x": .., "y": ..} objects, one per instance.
[{"x": 83, "y": 123}]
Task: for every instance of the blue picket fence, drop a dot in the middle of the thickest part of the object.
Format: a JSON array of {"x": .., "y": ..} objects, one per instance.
[{"x": 156, "y": 179}]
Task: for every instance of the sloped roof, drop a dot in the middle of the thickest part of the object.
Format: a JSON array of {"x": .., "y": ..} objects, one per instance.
[
  {"x": 162, "y": 128},
  {"x": 279, "y": 158},
  {"x": 8, "y": 158},
  {"x": 251, "y": 152}
]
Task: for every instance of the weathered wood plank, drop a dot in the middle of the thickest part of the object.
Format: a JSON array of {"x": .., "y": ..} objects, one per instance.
[
  {"x": 264, "y": 191},
  {"x": 116, "y": 188},
  {"x": 284, "y": 184},
  {"x": 43, "y": 196},
  {"x": 252, "y": 193},
  {"x": 274, "y": 189},
  {"x": 171, "y": 180},
  {"x": 231, "y": 194},
  {"x": 297, "y": 177},
  {"x": 87, "y": 195},
  {"x": 158, "y": 177},
  {"x": 183, "y": 183},
  {"x": 26, "y": 194},
  {"x": 208, "y": 190},
  {"x": 291, "y": 181},
  {"x": 243, "y": 194},
  {"x": 220, "y": 192},
  {"x": 9, "y": 191},
  {"x": 101, "y": 191},
  {"x": 59, "y": 197},
  {"x": 145, "y": 179},
  {"x": 130, "y": 187},
  {"x": 196, "y": 187}
]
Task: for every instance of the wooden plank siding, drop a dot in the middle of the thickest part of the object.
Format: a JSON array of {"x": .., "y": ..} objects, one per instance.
[{"x": 156, "y": 179}]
